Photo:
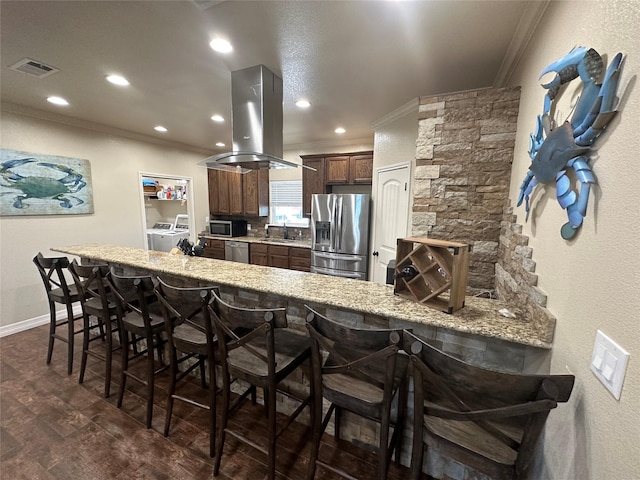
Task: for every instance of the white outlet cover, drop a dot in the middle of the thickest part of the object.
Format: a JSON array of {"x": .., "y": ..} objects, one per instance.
[{"x": 609, "y": 363}]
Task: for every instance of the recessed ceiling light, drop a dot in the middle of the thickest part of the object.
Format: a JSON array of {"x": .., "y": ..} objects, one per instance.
[
  {"x": 57, "y": 101},
  {"x": 217, "y": 118},
  {"x": 303, "y": 103},
  {"x": 220, "y": 45},
  {"x": 160, "y": 128},
  {"x": 220, "y": 144},
  {"x": 339, "y": 130},
  {"x": 117, "y": 80}
]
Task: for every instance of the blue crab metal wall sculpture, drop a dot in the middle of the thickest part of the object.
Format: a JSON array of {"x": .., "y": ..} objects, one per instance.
[{"x": 554, "y": 150}]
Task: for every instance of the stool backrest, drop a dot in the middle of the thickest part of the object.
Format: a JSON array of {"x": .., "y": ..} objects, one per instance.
[
  {"x": 51, "y": 271},
  {"x": 367, "y": 354},
  {"x": 186, "y": 305},
  {"x": 241, "y": 326},
  {"x": 133, "y": 294},
  {"x": 91, "y": 282},
  {"x": 498, "y": 403}
]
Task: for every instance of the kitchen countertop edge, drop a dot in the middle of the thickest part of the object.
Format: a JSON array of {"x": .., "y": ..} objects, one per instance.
[{"x": 479, "y": 316}]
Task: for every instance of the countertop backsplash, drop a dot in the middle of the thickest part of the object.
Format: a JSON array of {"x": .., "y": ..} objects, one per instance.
[{"x": 275, "y": 231}]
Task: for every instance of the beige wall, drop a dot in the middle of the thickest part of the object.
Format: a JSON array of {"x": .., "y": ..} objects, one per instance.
[
  {"x": 115, "y": 163},
  {"x": 592, "y": 282}
]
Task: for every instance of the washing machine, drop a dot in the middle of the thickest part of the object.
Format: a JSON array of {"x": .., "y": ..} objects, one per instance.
[
  {"x": 158, "y": 228},
  {"x": 165, "y": 241}
]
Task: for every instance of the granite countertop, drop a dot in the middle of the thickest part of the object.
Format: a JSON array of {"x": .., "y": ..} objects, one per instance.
[
  {"x": 306, "y": 243},
  {"x": 479, "y": 316}
]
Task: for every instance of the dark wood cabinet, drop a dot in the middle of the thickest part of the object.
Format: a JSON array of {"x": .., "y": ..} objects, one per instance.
[
  {"x": 214, "y": 248},
  {"x": 312, "y": 182},
  {"x": 361, "y": 169},
  {"x": 334, "y": 169},
  {"x": 351, "y": 169},
  {"x": 232, "y": 193},
  {"x": 258, "y": 254},
  {"x": 255, "y": 193},
  {"x": 235, "y": 193},
  {"x": 300, "y": 259},
  {"x": 281, "y": 256},
  {"x": 337, "y": 169},
  {"x": 278, "y": 256},
  {"x": 219, "y": 201}
]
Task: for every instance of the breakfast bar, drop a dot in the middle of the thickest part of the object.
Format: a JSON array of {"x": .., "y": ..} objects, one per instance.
[{"x": 477, "y": 333}]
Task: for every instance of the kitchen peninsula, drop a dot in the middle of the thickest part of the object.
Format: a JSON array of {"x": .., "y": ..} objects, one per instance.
[{"x": 478, "y": 332}]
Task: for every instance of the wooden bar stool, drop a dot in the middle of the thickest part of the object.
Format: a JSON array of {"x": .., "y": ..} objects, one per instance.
[
  {"x": 486, "y": 419},
  {"x": 140, "y": 316},
  {"x": 52, "y": 270},
  {"x": 263, "y": 355},
  {"x": 190, "y": 333},
  {"x": 361, "y": 374},
  {"x": 96, "y": 301}
]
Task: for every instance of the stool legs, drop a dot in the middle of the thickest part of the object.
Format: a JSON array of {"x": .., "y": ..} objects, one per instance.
[{"x": 52, "y": 330}]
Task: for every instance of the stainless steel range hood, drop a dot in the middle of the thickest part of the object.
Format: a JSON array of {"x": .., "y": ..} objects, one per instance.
[{"x": 256, "y": 104}]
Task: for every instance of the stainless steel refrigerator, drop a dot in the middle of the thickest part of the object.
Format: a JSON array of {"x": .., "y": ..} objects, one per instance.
[{"x": 340, "y": 234}]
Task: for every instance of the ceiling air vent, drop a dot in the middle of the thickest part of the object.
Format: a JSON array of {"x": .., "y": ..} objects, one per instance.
[{"x": 34, "y": 68}]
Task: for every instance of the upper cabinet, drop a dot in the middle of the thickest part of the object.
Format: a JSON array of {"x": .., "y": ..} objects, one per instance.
[
  {"x": 232, "y": 193},
  {"x": 334, "y": 169},
  {"x": 349, "y": 169},
  {"x": 337, "y": 170},
  {"x": 361, "y": 168},
  {"x": 312, "y": 182},
  {"x": 255, "y": 193}
]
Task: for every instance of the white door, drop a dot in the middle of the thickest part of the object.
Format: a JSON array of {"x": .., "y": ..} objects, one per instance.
[{"x": 391, "y": 213}]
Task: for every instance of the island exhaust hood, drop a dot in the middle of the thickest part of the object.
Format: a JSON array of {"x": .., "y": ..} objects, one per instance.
[{"x": 256, "y": 105}]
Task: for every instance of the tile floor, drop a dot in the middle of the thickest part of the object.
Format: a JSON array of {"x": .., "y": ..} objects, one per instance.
[{"x": 51, "y": 427}]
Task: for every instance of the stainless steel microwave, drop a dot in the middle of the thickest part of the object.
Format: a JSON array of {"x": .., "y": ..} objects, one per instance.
[{"x": 228, "y": 228}]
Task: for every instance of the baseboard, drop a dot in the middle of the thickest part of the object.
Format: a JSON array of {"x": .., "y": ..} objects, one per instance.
[{"x": 35, "y": 322}]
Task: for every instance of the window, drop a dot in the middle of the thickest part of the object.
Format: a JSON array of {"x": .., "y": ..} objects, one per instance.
[{"x": 285, "y": 203}]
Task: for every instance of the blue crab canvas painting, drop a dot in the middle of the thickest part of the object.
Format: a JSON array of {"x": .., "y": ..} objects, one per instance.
[{"x": 36, "y": 184}]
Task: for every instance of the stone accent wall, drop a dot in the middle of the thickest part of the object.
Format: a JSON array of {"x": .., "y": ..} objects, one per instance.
[
  {"x": 516, "y": 282},
  {"x": 461, "y": 180}
]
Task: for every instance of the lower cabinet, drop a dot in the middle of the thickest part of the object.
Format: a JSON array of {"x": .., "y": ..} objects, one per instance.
[
  {"x": 300, "y": 259},
  {"x": 214, "y": 249},
  {"x": 258, "y": 254},
  {"x": 280, "y": 256}
]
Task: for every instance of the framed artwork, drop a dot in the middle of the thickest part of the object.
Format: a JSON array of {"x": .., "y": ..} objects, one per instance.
[{"x": 36, "y": 184}]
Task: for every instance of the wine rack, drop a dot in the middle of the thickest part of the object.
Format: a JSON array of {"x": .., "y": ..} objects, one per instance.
[{"x": 442, "y": 270}]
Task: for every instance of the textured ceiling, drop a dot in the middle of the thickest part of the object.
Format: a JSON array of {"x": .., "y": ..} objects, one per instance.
[{"x": 356, "y": 61}]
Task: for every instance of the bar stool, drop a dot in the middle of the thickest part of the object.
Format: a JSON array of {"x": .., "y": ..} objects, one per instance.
[
  {"x": 263, "y": 355},
  {"x": 486, "y": 419},
  {"x": 361, "y": 374},
  {"x": 96, "y": 301},
  {"x": 140, "y": 316},
  {"x": 189, "y": 332},
  {"x": 51, "y": 270}
]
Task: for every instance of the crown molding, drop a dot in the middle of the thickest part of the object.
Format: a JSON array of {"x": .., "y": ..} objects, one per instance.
[
  {"x": 529, "y": 21},
  {"x": 409, "y": 107}
]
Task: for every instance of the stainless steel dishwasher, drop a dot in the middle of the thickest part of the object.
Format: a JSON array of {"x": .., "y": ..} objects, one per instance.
[{"x": 236, "y": 251}]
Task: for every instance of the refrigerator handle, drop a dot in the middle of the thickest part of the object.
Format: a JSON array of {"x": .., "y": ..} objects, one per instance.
[
  {"x": 339, "y": 222},
  {"x": 333, "y": 225}
]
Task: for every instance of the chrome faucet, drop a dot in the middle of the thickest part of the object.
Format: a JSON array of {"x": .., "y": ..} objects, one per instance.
[{"x": 285, "y": 232}]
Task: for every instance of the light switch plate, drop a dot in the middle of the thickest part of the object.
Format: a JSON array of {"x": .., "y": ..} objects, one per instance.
[{"x": 609, "y": 363}]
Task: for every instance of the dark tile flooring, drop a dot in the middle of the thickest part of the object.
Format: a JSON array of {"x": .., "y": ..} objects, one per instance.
[{"x": 51, "y": 427}]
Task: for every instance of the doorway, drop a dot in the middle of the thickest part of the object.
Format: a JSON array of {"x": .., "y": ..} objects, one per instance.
[
  {"x": 391, "y": 214},
  {"x": 163, "y": 197}
]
